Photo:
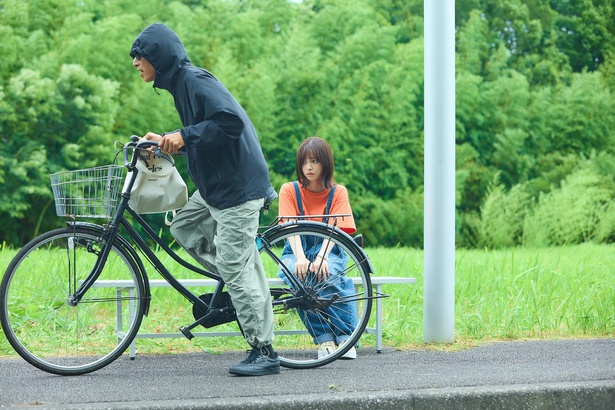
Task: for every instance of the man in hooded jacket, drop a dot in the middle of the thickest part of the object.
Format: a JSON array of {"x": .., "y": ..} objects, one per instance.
[{"x": 218, "y": 225}]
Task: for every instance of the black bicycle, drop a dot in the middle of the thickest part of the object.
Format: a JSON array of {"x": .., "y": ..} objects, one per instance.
[{"x": 57, "y": 314}]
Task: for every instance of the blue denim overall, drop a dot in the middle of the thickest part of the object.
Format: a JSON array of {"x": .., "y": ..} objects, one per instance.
[{"x": 340, "y": 319}]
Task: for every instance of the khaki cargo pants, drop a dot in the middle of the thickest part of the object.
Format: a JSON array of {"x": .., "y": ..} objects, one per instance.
[{"x": 223, "y": 241}]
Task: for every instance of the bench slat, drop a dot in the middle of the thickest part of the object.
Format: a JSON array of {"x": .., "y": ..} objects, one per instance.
[{"x": 154, "y": 283}]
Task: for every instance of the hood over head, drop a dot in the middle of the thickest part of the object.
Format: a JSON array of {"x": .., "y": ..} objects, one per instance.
[{"x": 164, "y": 51}]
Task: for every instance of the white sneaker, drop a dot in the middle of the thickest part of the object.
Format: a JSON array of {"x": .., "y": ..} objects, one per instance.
[
  {"x": 349, "y": 355},
  {"x": 326, "y": 348}
]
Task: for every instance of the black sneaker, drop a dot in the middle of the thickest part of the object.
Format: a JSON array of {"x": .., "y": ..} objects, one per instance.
[{"x": 259, "y": 362}]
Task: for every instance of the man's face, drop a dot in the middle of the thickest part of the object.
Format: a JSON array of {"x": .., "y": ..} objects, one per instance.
[{"x": 146, "y": 70}]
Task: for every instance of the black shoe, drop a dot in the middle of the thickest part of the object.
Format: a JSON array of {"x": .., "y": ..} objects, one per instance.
[{"x": 260, "y": 362}]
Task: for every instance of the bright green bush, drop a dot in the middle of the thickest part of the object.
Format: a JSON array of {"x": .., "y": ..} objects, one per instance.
[
  {"x": 390, "y": 223},
  {"x": 502, "y": 216},
  {"x": 572, "y": 213}
]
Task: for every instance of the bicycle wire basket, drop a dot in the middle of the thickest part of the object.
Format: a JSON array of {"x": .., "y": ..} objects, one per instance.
[{"x": 91, "y": 192}]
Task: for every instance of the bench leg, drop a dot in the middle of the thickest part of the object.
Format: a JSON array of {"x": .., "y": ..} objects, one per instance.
[
  {"x": 131, "y": 304},
  {"x": 118, "y": 314},
  {"x": 118, "y": 318},
  {"x": 379, "y": 320}
]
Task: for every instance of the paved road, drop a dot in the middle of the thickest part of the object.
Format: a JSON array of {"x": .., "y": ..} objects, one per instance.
[{"x": 564, "y": 374}]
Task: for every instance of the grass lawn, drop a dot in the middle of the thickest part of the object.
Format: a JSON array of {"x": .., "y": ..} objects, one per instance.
[{"x": 511, "y": 294}]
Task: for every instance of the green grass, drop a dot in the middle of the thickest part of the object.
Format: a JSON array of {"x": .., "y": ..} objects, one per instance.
[
  {"x": 565, "y": 292},
  {"x": 512, "y": 294}
]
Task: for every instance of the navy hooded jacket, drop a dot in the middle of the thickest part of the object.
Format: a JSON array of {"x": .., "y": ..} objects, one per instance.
[{"x": 225, "y": 159}]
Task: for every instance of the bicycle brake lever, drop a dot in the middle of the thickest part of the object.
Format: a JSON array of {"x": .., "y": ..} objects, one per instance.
[{"x": 163, "y": 155}]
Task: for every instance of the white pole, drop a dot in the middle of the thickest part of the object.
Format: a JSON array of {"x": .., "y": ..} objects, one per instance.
[{"x": 439, "y": 291}]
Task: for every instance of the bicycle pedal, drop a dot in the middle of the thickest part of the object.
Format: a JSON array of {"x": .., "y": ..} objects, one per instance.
[{"x": 186, "y": 332}]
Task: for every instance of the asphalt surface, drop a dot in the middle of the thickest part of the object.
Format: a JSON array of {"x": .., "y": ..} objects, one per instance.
[{"x": 561, "y": 374}]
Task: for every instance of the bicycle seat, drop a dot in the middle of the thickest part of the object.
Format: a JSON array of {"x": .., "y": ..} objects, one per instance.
[{"x": 271, "y": 196}]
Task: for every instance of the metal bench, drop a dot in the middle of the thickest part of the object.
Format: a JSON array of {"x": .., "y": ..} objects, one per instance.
[{"x": 377, "y": 284}]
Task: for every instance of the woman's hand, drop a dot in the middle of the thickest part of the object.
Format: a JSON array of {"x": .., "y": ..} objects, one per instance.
[
  {"x": 301, "y": 267},
  {"x": 319, "y": 265}
]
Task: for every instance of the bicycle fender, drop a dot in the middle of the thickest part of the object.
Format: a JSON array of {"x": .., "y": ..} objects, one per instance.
[
  {"x": 126, "y": 245},
  {"x": 336, "y": 231}
]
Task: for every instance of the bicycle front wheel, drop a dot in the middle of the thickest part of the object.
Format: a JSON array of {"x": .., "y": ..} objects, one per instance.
[
  {"x": 43, "y": 324},
  {"x": 312, "y": 309}
]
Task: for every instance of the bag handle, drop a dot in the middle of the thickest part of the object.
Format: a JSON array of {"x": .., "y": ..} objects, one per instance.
[{"x": 168, "y": 221}]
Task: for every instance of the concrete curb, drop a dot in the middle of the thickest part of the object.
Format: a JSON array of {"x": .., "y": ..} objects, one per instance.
[{"x": 594, "y": 395}]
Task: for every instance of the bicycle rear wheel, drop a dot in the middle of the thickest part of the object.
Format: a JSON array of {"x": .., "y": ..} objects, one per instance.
[
  {"x": 42, "y": 324},
  {"x": 306, "y": 309}
]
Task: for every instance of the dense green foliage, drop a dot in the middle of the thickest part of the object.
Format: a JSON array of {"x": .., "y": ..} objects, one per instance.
[{"x": 535, "y": 96}]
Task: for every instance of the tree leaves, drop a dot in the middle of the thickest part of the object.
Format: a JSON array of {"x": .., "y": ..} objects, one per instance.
[{"x": 534, "y": 101}]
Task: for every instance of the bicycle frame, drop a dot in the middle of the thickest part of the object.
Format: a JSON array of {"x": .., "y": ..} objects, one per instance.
[{"x": 111, "y": 232}]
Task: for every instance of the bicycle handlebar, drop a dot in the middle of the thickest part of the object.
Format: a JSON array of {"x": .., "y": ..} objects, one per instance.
[{"x": 138, "y": 144}]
